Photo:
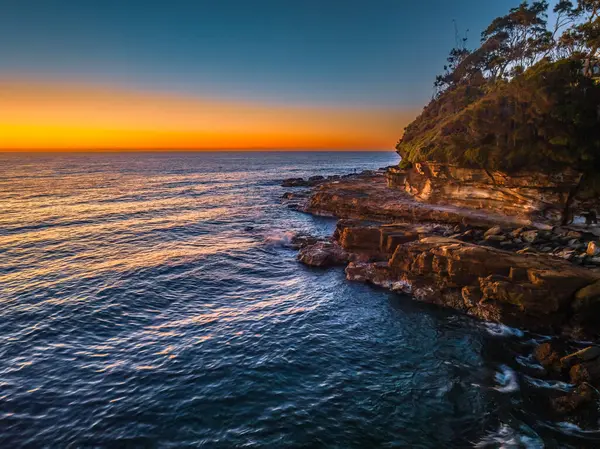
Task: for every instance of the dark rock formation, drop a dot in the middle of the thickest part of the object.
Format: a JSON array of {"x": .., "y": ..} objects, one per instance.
[{"x": 323, "y": 254}]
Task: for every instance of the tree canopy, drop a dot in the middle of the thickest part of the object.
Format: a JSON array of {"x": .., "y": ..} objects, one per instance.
[{"x": 524, "y": 98}]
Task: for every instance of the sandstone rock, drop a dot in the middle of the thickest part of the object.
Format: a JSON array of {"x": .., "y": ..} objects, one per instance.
[
  {"x": 517, "y": 232},
  {"x": 323, "y": 254},
  {"x": 365, "y": 238},
  {"x": 519, "y": 194},
  {"x": 496, "y": 230},
  {"x": 593, "y": 249},
  {"x": 530, "y": 236},
  {"x": 534, "y": 291},
  {"x": 375, "y": 273},
  {"x": 368, "y": 197}
]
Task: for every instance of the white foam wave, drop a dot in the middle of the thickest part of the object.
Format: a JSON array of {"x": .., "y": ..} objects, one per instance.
[
  {"x": 501, "y": 330},
  {"x": 507, "y": 380},
  {"x": 508, "y": 438}
]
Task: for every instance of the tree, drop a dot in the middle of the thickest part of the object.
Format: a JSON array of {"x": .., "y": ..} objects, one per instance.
[{"x": 517, "y": 40}]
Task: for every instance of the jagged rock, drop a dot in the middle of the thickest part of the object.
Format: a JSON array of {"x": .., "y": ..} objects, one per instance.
[{"x": 323, "y": 254}]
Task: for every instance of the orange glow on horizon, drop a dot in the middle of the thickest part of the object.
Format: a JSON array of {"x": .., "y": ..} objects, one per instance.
[{"x": 58, "y": 116}]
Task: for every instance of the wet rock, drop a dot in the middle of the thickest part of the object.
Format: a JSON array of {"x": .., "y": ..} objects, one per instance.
[
  {"x": 303, "y": 240},
  {"x": 570, "y": 403},
  {"x": 294, "y": 182},
  {"x": 585, "y": 372},
  {"x": 548, "y": 356},
  {"x": 323, "y": 254}
]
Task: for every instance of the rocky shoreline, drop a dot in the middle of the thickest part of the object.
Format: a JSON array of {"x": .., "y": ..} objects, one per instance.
[{"x": 519, "y": 265}]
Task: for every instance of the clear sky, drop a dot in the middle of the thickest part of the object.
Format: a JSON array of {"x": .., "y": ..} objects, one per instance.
[{"x": 199, "y": 74}]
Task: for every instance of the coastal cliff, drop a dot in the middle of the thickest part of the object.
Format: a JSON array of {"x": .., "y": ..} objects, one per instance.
[{"x": 532, "y": 195}]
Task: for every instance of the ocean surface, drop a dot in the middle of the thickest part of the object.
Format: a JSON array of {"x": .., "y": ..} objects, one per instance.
[{"x": 152, "y": 300}]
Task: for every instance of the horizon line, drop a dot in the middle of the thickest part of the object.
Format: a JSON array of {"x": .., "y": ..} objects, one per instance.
[{"x": 186, "y": 150}]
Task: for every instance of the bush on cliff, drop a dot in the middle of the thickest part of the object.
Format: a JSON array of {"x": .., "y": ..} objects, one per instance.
[
  {"x": 523, "y": 100},
  {"x": 544, "y": 118}
]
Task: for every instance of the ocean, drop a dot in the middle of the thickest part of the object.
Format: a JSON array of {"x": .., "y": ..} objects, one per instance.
[{"x": 152, "y": 300}]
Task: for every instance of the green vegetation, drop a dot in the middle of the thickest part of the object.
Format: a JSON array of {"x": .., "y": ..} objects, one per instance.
[{"x": 525, "y": 99}]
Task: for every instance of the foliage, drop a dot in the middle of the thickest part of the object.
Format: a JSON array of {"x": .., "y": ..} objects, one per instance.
[{"x": 520, "y": 100}]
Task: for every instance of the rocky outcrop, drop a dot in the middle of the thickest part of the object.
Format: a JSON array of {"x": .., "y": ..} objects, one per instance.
[
  {"x": 368, "y": 197},
  {"x": 519, "y": 288},
  {"x": 501, "y": 259},
  {"x": 531, "y": 291},
  {"x": 530, "y": 195}
]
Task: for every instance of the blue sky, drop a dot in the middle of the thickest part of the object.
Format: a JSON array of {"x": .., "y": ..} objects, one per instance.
[{"x": 382, "y": 53}]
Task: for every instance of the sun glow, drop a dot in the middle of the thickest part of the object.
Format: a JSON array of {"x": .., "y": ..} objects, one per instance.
[{"x": 46, "y": 116}]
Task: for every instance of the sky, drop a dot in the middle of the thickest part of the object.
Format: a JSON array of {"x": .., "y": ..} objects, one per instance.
[{"x": 240, "y": 74}]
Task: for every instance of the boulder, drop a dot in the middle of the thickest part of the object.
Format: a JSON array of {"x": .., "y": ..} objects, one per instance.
[
  {"x": 530, "y": 236},
  {"x": 593, "y": 249},
  {"x": 323, "y": 254},
  {"x": 548, "y": 357},
  {"x": 496, "y": 230}
]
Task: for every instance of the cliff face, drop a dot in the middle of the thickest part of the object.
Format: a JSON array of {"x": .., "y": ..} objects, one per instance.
[{"x": 526, "y": 194}]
